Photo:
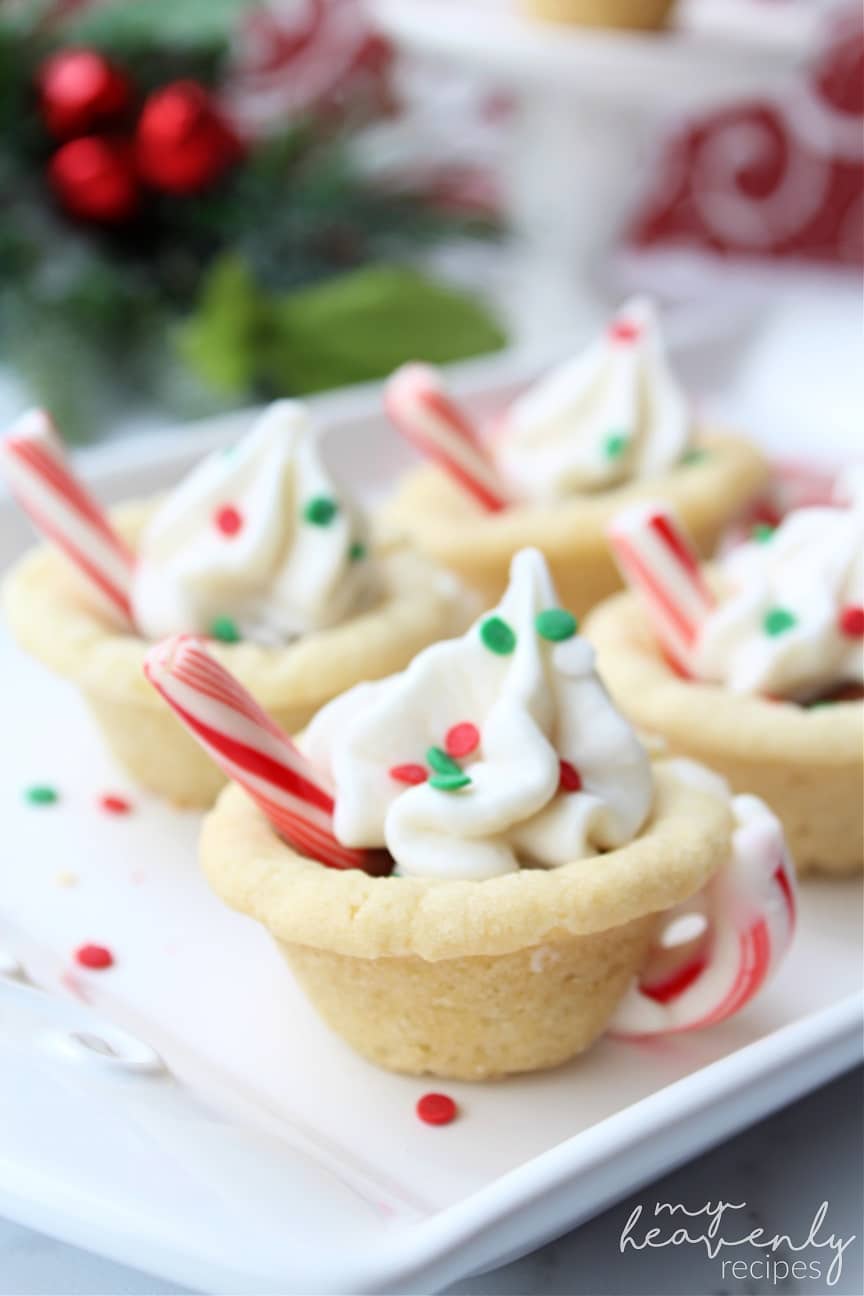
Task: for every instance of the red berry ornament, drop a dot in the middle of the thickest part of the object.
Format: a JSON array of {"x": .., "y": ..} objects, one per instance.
[
  {"x": 94, "y": 179},
  {"x": 183, "y": 143},
  {"x": 81, "y": 91}
]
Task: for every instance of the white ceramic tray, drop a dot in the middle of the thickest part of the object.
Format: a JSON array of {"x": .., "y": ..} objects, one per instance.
[{"x": 265, "y": 1156}]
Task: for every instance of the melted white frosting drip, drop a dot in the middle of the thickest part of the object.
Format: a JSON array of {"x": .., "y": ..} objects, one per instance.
[
  {"x": 613, "y": 414},
  {"x": 533, "y": 707},
  {"x": 279, "y": 575}
]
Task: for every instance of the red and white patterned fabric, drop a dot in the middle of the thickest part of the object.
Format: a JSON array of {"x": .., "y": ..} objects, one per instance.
[
  {"x": 292, "y": 57},
  {"x": 773, "y": 179}
]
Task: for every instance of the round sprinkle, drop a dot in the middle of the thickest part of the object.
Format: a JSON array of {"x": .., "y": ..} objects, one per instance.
[
  {"x": 461, "y": 740},
  {"x": 41, "y": 794},
  {"x": 228, "y": 520},
  {"x": 408, "y": 773},
  {"x": 115, "y": 805},
  {"x": 497, "y": 636},
  {"x": 320, "y": 510},
  {"x": 95, "y": 957},
  {"x": 762, "y": 532},
  {"x": 556, "y": 625},
  {"x": 852, "y": 621},
  {"x": 625, "y": 331},
  {"x": 615, "y": 445},
  {"x": 778, "y": 620},
  {"x": 437, "y": 1109},
  {"x": 225, "y": 630},
  {"x": 450, "y": 782},
  {"x": 569, "y": 778},
  {"x": 695, "y": 456},
  {"x": 357, "y": 551}
]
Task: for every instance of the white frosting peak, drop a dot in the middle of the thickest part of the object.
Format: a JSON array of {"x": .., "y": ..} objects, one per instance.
[
  {"x": 786, "y": 627},
  {"x": 612, "y": 414},
  {"x": 529, "y": 689},
  {"x": 256, "y": 537}
]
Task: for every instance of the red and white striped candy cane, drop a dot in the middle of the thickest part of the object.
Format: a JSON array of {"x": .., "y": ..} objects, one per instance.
[
  {"x": 251, "y": 749},
  {"x": 62, "y": 511},
  {"x": 660, "y": 566},
  {"x": 421, "y": 410},
  {"x": 750, "y": 910}
]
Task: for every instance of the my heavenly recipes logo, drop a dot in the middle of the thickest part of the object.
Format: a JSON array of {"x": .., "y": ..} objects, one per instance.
[{"x": 714, "y": 1227}]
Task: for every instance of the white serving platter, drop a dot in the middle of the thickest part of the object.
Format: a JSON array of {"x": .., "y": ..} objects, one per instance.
[{"x": 264, "y": 1156}]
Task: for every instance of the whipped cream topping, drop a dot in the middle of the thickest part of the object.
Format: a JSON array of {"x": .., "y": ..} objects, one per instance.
[
  {"x": 791, "y": 623},
  {"x": 613, "y": 414},
  {"x": 490, "y": 752},
  {"x": 256, "y": 543}
]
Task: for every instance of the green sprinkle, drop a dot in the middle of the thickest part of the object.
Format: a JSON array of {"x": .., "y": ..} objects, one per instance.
[
  {"x": 762, "y": 532},
  {"x": 441, "y": 762},
  {"x": 357, "y": 551},
  {"x": 497, "y": 636},
  {"x": 823, "y": 702},
  {"x": 778, "y": 621},
  {"x": 615, "y": 444},
  {"x": 450, "y": 782},
  {"x": 41, "y": 794},
  {"x": 225, "y": 630},
  {"x": 556, "y": 624},
  {"x": 694, "y": 456},
  {"x": 320, "y": 510}
]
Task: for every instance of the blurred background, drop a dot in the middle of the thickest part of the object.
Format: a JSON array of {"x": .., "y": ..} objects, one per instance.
[{"x": 208, "y": 203}]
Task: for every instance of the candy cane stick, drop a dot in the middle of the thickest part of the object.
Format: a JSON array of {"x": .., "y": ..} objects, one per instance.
[
  {"x": 251, "y": 749},
  {"x": 420, "y": 408},
  {"x": 42, "y": 481},
  {"x": 657, "y": 562},
  {"x": 751, "y": 911}
]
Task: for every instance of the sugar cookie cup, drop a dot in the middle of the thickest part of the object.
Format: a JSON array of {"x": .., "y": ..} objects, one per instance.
[
  {"x": 641, "y": 15},
  {"x": 470, "y": 979},
  {"x": 708, "y": 491},
  {"x": 50, "y": 619},
  {"x": 806, "y": 763}
]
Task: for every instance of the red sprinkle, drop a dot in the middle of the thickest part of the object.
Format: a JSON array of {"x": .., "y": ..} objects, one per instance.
[
  {"x": 408, "y": 773},
  {"x": 436, "y": 1109},
  {"x": 228, "y": 520},
  {"x": 116, "y": 805},
  {"x": 462, "y": 740},
  {"x": 852, "y": 621},
  {"x": 625, "y": 331},
  {"x": 569, "y": 780},
  {"x": 96, "y": 957}
]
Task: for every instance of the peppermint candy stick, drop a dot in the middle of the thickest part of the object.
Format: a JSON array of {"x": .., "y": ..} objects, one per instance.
[
  {"x": 420, "y": 408},
  {"x": 750, "y": 908},
  {"x": 62, "y": 511},
  {"x": 251, "y": 749},
  {"x": 658, "y": 563}
]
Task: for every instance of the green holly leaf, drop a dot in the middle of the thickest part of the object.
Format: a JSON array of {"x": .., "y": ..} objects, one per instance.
[
  {"x": 224, "y": 340},
  {"x": 360, "y": 326}
]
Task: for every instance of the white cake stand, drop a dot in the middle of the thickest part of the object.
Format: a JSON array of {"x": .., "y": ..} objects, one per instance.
[{"x": 588, "y": 108}]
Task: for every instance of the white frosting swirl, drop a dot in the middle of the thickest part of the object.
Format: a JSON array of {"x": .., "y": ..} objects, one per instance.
[
  {"x": 780, "y": 628},
  {"x": 612, "y": 414},
  {"x": 534, "y": 706},
  {"x": 257, "y": 538}
]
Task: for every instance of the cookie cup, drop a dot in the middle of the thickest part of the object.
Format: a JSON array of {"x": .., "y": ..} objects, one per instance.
[
  {"x": 807, "y": 764},
  {"x": 432, "y": 512},
  {"x": 52, "y": 621},
  {"x": 639, "y": 15},
  {"x": 466, "y": 979}
]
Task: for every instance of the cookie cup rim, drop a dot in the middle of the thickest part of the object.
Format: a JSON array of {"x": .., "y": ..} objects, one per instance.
[
  {"x": 348, "y": 912},
  {"x": 50, "y": 618}
]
